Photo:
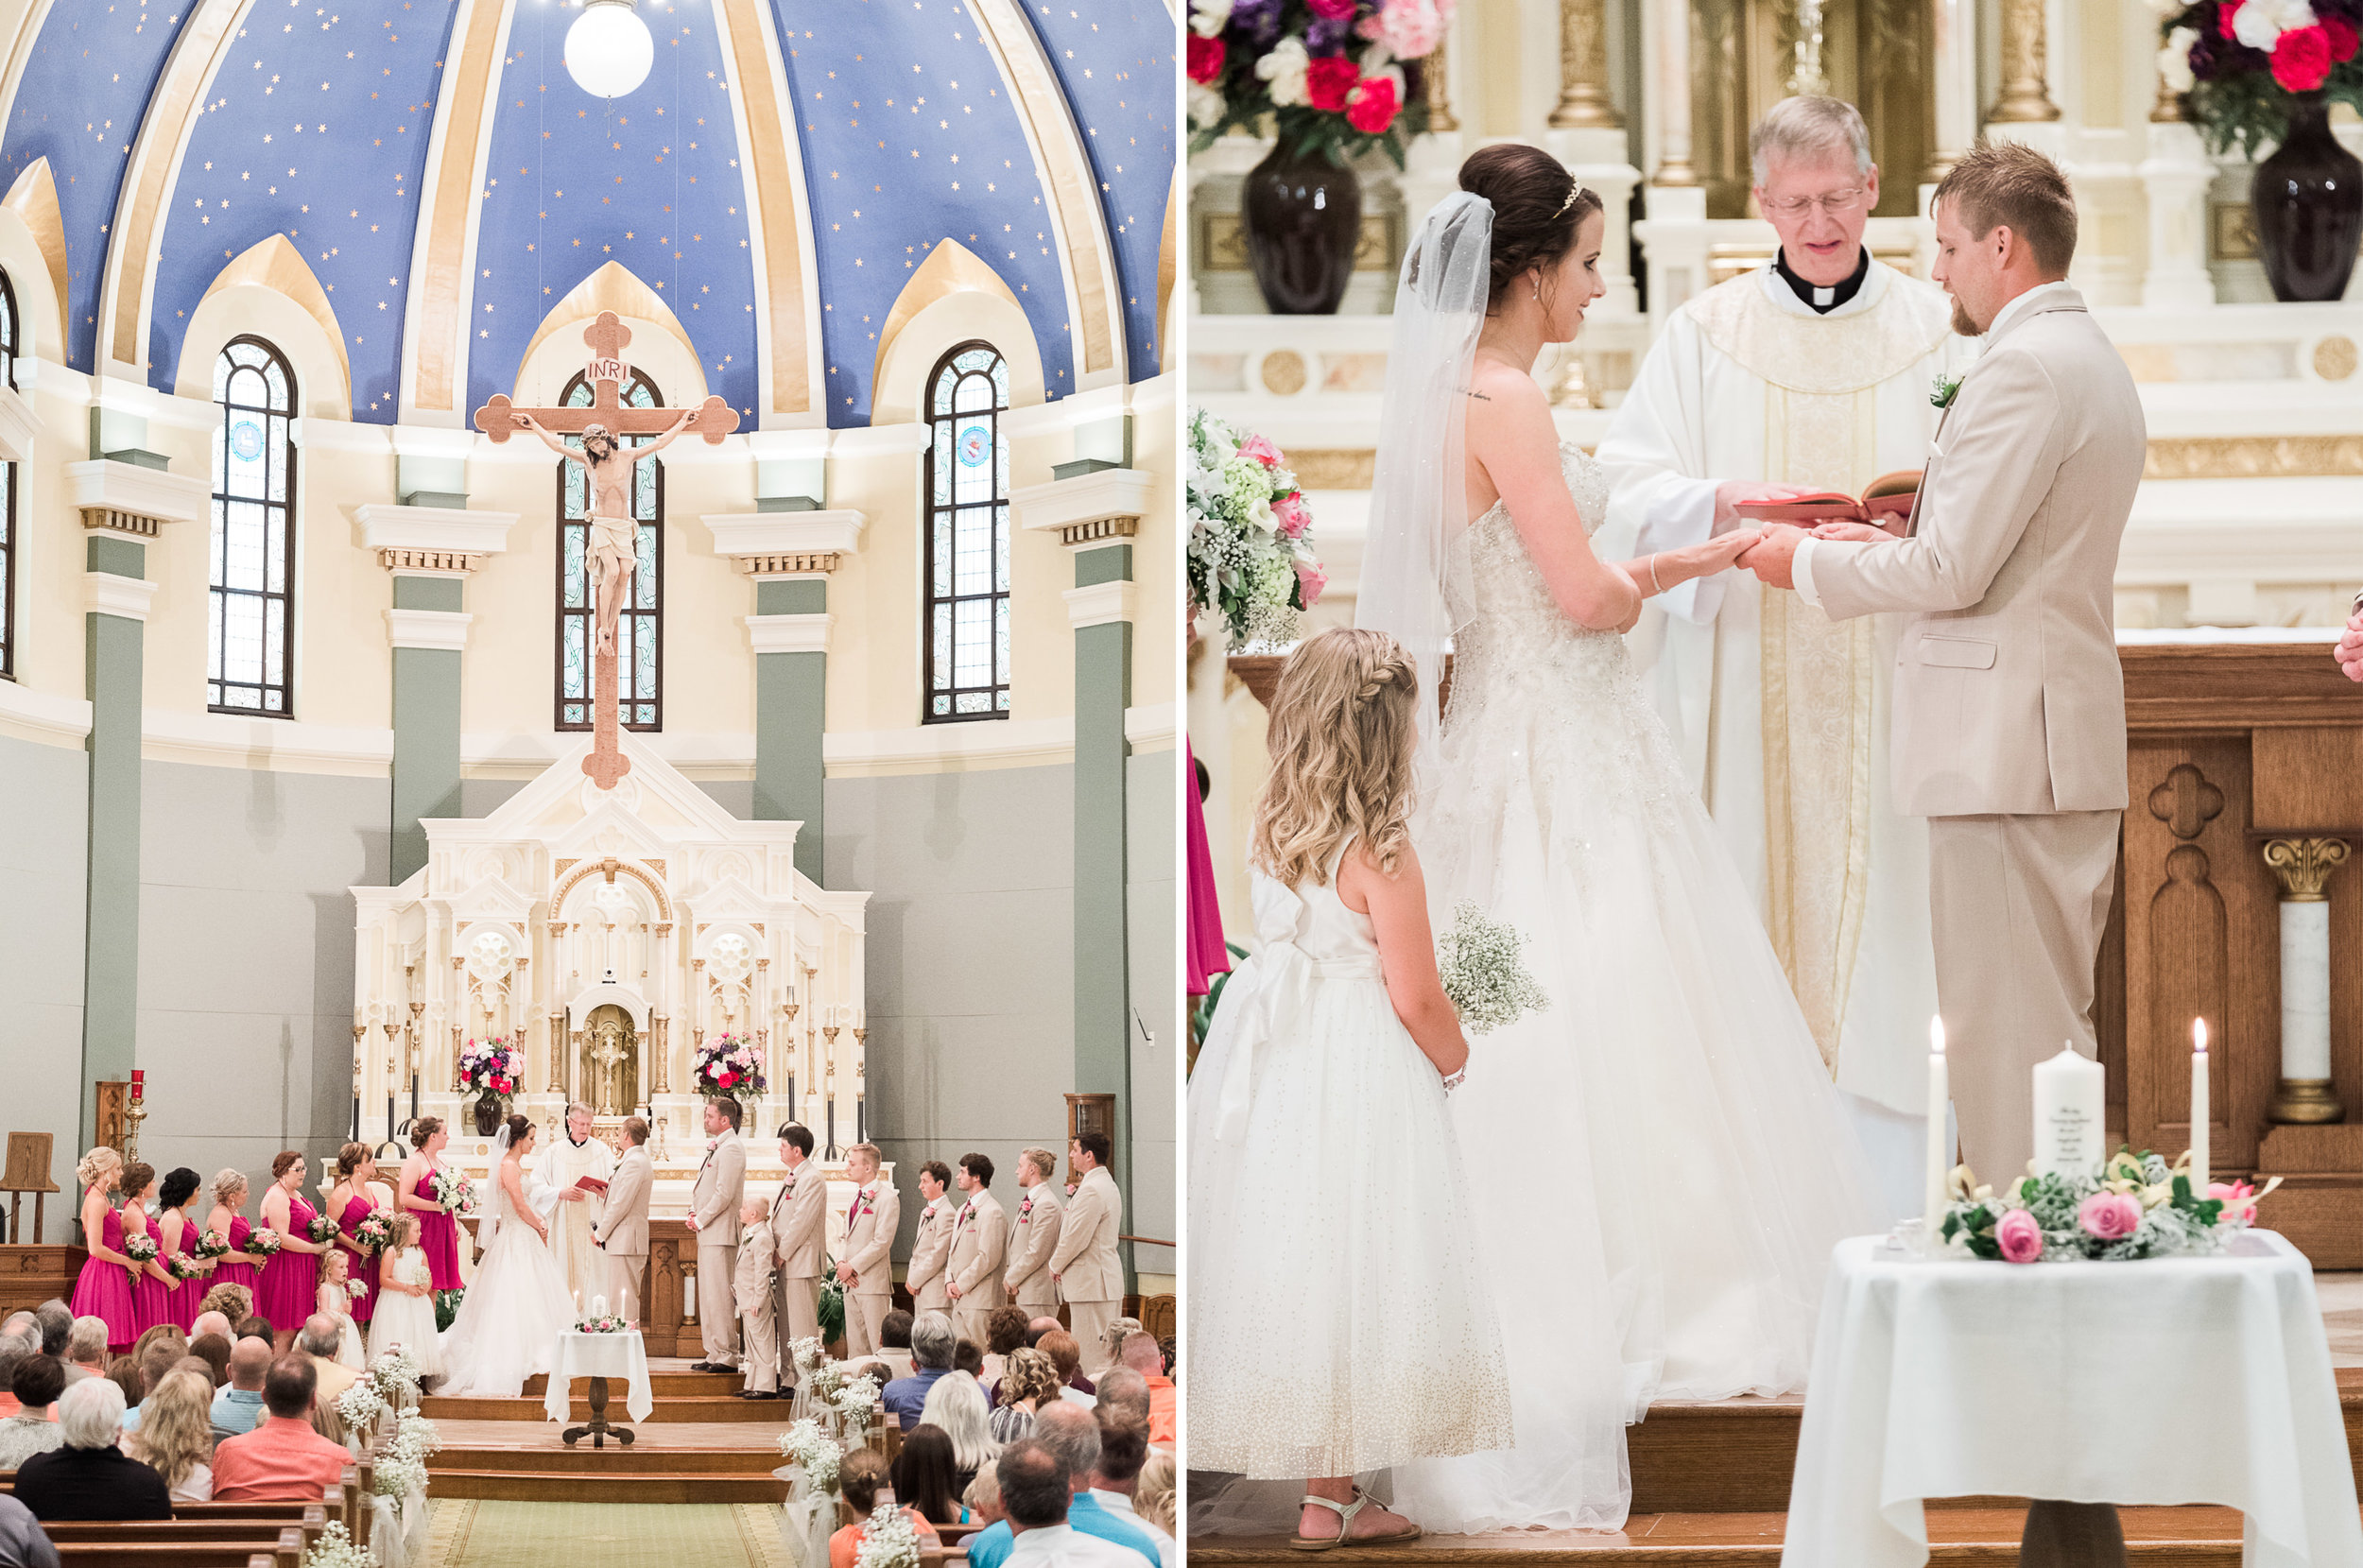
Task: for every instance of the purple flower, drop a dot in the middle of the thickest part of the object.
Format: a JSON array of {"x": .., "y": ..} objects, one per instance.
[
  {"x": 1258, "y": 21},
  {"x": 1323, "y": 36}
]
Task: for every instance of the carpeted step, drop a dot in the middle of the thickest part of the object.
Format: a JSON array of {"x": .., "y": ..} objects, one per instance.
[
  {"x": 540, "y": 1485},
  {"x": 662, "y": 1384},
  {"x": 641, "y": 1458},
  {"x": 720, "y": 1408}
]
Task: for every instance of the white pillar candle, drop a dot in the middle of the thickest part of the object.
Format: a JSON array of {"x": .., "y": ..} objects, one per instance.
[
  {"x": 2070, "y": 1107},
  {"x": 1939, "y": 1149},
  {"x": 2200, "y": 1113}
]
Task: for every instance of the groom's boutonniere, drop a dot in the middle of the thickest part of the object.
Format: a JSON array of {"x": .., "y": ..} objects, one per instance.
[{"x": 1940, "y": 392}]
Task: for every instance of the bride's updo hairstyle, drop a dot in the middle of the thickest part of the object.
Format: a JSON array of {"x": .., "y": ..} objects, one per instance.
[
  {"x": 1344, "y": 723},
  {"x": 1537, "y": 205},
  {"x": 520, "y": 1128}
]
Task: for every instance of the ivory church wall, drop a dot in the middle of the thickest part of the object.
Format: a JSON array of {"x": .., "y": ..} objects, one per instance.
[{"x": 43, "y": 819}]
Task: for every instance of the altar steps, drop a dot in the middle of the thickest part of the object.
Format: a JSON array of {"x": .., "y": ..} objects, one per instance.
[
  {"x": 535, "y": 1468},
  {"x": 1975, "y": 1537}
]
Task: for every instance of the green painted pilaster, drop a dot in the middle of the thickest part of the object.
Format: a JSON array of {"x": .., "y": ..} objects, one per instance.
[
  {"x": 1103, "y": 1011},
  {"x": 790, "y": 718},
  {"x": 113, "y": 657},
  {"x": 425, "y": 773}
]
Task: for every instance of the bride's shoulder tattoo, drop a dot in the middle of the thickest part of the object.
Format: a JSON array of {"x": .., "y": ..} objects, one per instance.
[{"x": 1471, "y": 391}]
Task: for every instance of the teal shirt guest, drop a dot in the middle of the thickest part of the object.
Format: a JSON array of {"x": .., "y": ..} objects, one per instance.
[{"x": 990, "y": 1548}]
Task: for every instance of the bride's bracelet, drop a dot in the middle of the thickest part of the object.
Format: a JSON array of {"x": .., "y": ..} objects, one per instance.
[
  {"x": 1654, "y": 584},
  {"x": 1453, "y": 1080}
]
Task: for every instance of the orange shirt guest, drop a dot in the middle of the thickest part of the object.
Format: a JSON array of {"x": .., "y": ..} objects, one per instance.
[{"x": 282, "y": 1460}]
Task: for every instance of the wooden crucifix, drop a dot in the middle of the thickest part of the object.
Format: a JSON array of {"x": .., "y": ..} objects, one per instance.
[{"x": 608, "y": 464}]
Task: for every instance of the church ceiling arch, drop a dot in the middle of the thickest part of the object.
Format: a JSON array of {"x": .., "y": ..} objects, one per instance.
[
  {"x": 34, "y": 199},
  {"x": 611, "y": 287},
  {"x": 274, "y": 263},
  {"x": 434, "y": 335}
]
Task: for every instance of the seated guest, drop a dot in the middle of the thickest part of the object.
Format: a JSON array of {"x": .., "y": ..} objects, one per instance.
[
  {"x": 22, "y": 1542},
  {"x": 1140, "y": 1353},
  {"x": 175, "y": 1436},
  {"x": 1030, "y": 1380},
  {"x": 923, "y": 1474},
  {"x": 894, "y": 1340},
  {"x": 154, "y": 1337},
  {"x": 239, "y": 1407},
  {"x": 859, "y": 1479},
  {"x": 232, "y": 1303},
  {"x": 255, "y": 1328},
  {"x": 1124, "y": 1393},
  {"x": 318, "y": 1342},
  {"x": 86, "y": 1348},
  {"x": 956, "y": 1407},
  {"x": 163, "y": 1359},
  {"x": 90, "y": 1477},
  {"x": 1153, "y": 1498},
  {"x": 983, "y": 1497},
  {"x": 14, "y": 1351},
  {"x": 37, "y": 1382},
  {"x": 214, "y": 1323},
  {"x": 282, "y": 1460},
  {"x": 1039, "y": 1326},
  {"x": 124, "y": 1373},
  {"x": 931, "y": 1357},
  {"x": 1004, "y": 1331},
  {"x": 1123, "y": 1450},
  {"x": 1069, "y": 1437},
  {"x": 1067, "y": 1356},
  {"x": 56, "y": 1320},
  {"x": 214, "y": 1350},
  {"x": 968, "y": 1357},
  {"x": 1041, "y": 1521}
]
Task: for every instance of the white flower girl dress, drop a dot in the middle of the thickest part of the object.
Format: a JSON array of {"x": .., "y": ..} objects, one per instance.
[{"x": 409, "y": 1320}]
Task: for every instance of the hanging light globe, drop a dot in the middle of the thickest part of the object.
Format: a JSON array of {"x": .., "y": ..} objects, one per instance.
[{"x": 607, "y": 49}]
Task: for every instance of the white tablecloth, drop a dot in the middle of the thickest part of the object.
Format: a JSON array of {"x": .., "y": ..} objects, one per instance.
[
  {"x": 608, "y": 1355},
  {"x": 2176, "y": 1380}
]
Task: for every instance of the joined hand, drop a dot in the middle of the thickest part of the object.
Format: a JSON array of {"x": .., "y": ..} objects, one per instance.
[{"x": 2349, "y": 650}]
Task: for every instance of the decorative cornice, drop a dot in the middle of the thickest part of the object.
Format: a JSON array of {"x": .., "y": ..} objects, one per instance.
[
  {"x": 105, "y": 593},
  {"x": 822, "y": 562},
  {"x": 2254, "y": 457},
  {"x": 128, "y": 499},
  {"x": 432, "y": 539},
  {"x": 781, "y": 544},
  {"x": 19, "y": 426},
  {"x": 445, "y": 630},
  {"x": 1090, "y": 508},
  {"x": 2302, "y": 866},
  {"x": 1098, "y": 604},
  {"x": 440, "y": 564},
  {"x": 806, "y": 633}
]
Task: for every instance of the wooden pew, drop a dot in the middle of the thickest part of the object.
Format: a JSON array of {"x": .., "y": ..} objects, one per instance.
[
  {"x": 311, "y": 1517},
  {"x": 255, "y": 1534},
  {"x": 120, "y": 1548}
]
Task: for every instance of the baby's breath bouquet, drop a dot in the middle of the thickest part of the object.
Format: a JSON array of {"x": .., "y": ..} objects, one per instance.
[
  {"x": 855, "y": 1402},
  {"x": 336, "y": 1548},
  {"x": 889, "y": 1539},
  {"x": 814, "y": 1452},
  {"x": 1484, "y": 976},
  {"x": 396, "y": 1374},
  {"x": 361, "y": 1406}
]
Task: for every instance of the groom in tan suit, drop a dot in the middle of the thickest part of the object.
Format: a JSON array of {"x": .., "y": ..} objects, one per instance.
[
  {"x": 622, "y": 1232},
  {"x": 2009, "y": 703},
  {"x": 713, "y": 1201}
]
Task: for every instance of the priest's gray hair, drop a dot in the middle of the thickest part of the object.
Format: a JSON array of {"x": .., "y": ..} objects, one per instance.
[
  {"x": 572, "y": 1106},
  {"x": 1808, "y": 125}
]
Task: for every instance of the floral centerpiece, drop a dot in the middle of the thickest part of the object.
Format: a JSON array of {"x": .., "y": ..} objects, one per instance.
[
  {"x": 375, "y": 1231},
  {"x": 1250, "y": 552},
  {"x": 814, "y": 1452},
  {"x": 1325, "y": 76},
  {"x": 491, "y": 1069},
  {"x": 210, "y": 1244},
  {"x": 261, "y": 1244},
  {"x": 2137, "y": 1206},
  {"x": 336, "y": 1548},
  {"x": 453, "y": 1191},
  {"x": 1484, "y": 976},
  {"x": 728, "y": 1065},
  {"x": 601, "y": 1321},
  {"x": 321, "y": 1230}
]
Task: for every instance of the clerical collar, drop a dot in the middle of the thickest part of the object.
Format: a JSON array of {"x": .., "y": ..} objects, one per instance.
[
  {"x": 1822, "y": 298},
  {"x": 579, "y": 1143}
]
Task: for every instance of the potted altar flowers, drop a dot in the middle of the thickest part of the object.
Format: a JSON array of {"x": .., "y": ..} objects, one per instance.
[
  {"x": 490, "y": 1070},
  {"x": 1326, "y": 80}
]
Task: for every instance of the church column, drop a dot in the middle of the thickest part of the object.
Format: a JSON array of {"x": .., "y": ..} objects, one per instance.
[
  {"x": 1674, "y": 236},
  {"x": 431, "y": 550},
  {"x": 1588, "y": 135},
  {"x": 2026, "y": 97},
  {"x": 1432, "y": 163},
  {"x": 125, "y": 496},
  {"x": 790, "y": 554},
  {"x": 1955, "y": 84},
  {"x": 2175, "y": 179},
  {"x": 1095, "y": 506}
]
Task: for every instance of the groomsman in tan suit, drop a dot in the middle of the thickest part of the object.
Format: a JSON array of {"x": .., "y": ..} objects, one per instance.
[
  {"x": 1089, "y": 1274},
  {"x": 758, "y": 1313},
  {"x": 713, "y": 1201},
  {"x": 799, "y": 1234},
  {"x": 980, "y": 1249},
  {"x": 1036, "y": 1235},
  {"x": 866, "y": 1268},
  {"x": 622, "y": 1232},
  {"x": 931, "y": 1248},
  {"x": 2009, "y": 729}
]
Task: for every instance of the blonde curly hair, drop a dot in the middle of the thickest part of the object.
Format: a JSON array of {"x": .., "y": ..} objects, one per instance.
[
  {"x": 1343, "y": 724},
  {"x": 99, "y": 1166}
]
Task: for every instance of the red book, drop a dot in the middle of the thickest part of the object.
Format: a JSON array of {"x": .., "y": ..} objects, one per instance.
[{"x": 592, "y": 1184}]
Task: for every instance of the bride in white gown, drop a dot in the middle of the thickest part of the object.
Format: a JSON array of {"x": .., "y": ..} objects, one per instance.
[
  {"x": 517, "y": 1305},
  {"x": 1670, "y": 1102}
]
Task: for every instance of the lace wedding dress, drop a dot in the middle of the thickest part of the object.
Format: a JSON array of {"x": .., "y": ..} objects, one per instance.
[
  {"x": 1670, "y": 1163},
  {"x": 513, "y": 1311}
]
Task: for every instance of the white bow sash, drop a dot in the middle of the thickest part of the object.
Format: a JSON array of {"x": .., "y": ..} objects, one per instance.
[{"x": 1280, "y": 978}]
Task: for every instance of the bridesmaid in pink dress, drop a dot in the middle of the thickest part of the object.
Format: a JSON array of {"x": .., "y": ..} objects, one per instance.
[
  {"x": 223, "y": 1220},
  {"x": 289, "y": 1291},
  {"x": 348, "y": 1204},
  {"x": 439, "y": 1230},
  {"x": 177, "y": 1229},
  {"x": 104, "y": 1287},
  {"x": 151, "y": 1291}
]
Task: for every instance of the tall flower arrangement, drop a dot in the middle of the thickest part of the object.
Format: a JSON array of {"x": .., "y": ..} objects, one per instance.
[
  {"x": 1326, "y": 74},
  {"x": 492, "y": 1067},
  {"x": 2241, "y": 66},
  {"x": 728, "y": 1065},
  {"x": 1251, "y": 534}
]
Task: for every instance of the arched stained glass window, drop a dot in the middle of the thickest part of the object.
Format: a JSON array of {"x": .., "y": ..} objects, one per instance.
[
  {"x": 250, "y": 646},
  {"x": 639, "y": 628},
  {"x": 968, "y": 537},
  {"x": 8, "y": 483}
]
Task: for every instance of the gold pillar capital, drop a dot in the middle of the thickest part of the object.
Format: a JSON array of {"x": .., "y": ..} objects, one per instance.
[
  {"x": 2304, "y": 867},
  {"x": 1584, "y": 102}
]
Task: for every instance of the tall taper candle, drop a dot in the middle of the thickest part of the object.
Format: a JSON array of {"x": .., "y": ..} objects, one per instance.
[
  {"x": 2200, "y": 1113},
  {"x": 1940, "y": 1147},
  {"x": 2070, "y": 1106}
]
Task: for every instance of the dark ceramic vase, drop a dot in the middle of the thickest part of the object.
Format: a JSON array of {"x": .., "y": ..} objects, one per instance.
[
  {"x": 488, "y": 1115},
  {"x": 1303, "y": 217},
  {"x": 2308, "y": 201}
]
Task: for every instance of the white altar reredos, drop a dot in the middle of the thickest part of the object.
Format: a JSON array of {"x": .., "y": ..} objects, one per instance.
[{"x": 608, "y": 933}]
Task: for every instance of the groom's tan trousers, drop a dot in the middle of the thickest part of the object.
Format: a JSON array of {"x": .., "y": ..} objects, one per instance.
[{"x": 2019, "y": 905}]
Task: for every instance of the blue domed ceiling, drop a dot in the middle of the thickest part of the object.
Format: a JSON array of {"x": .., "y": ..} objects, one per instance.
[{"x": 1039, "y": 137}]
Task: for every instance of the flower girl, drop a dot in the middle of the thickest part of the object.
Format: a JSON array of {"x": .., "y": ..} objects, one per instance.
[
  {"x": 1349, "y": 1329},
  {"x": 405, "y": 1302},
  {"x": 336, "y": 1299}
]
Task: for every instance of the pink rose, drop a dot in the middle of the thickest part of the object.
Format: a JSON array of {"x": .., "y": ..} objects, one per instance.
[
  {"x": 1409, "y": 28},
  {"x": 1292, "y": 514},
  {"x": 1328, "y": 83},
  {"x": 1261, "y": 450},
  {"x": 2300, "y": 59},
  {"x": 1310, "y": 581},
  {"x": 1332, "y": 10},
  {"x": 2238, "y": 1198},
  {"x": 2110, "y": 1216},
  {"x": 2019, "y": 1236},
  {"x": 1373, "y": 106}
]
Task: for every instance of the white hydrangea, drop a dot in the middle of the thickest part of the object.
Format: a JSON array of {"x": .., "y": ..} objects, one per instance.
[
  {"x": 1284, "y": 71},
  {"x": 1207, "y": 105},
  {"x": 1209, "y": 17},
  {"x": 2259, "y": 23},
  {"x": 2174, "y": 61}
]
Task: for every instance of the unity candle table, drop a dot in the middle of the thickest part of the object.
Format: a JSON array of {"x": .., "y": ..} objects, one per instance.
[
  {"x": 2163, "y": 1381},
  {"x": 600, "y": 1357}
]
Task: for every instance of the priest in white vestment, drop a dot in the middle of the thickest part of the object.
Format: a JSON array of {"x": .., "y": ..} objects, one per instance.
[
  {"x": 572, "y": 1156},
  {"x": 1813, "y": 372}
]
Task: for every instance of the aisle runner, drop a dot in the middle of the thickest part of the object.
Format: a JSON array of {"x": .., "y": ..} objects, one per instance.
[{"x": 467, "y": 1533}]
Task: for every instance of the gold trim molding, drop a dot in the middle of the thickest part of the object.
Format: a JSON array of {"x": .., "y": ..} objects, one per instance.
[
  {"x": 824, "y": 562},
  {"x": 774, "y": 179},
  {"x": 403, "y": 560},
  {"x": 109, "y": 519},
  {"x": 34, "y": 199},
  {"x": 616, "y": 288},
  {"x": 274, "y": 263},
  {"x": 611, "y": 865},
  {"x": 444, "y": 259},
  {"x": 950, "y": 268},
  {"x": 2254, "y": 457},
  {"x": 1099, "y": 529},
  {"x": 2304, "y": 867}
]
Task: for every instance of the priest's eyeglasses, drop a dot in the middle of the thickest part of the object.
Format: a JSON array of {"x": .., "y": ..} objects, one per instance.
[{"x": 1832, "y": 203}]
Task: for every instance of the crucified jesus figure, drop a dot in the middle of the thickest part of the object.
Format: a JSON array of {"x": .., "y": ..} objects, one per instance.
[{"x": 614, "y": 533}]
